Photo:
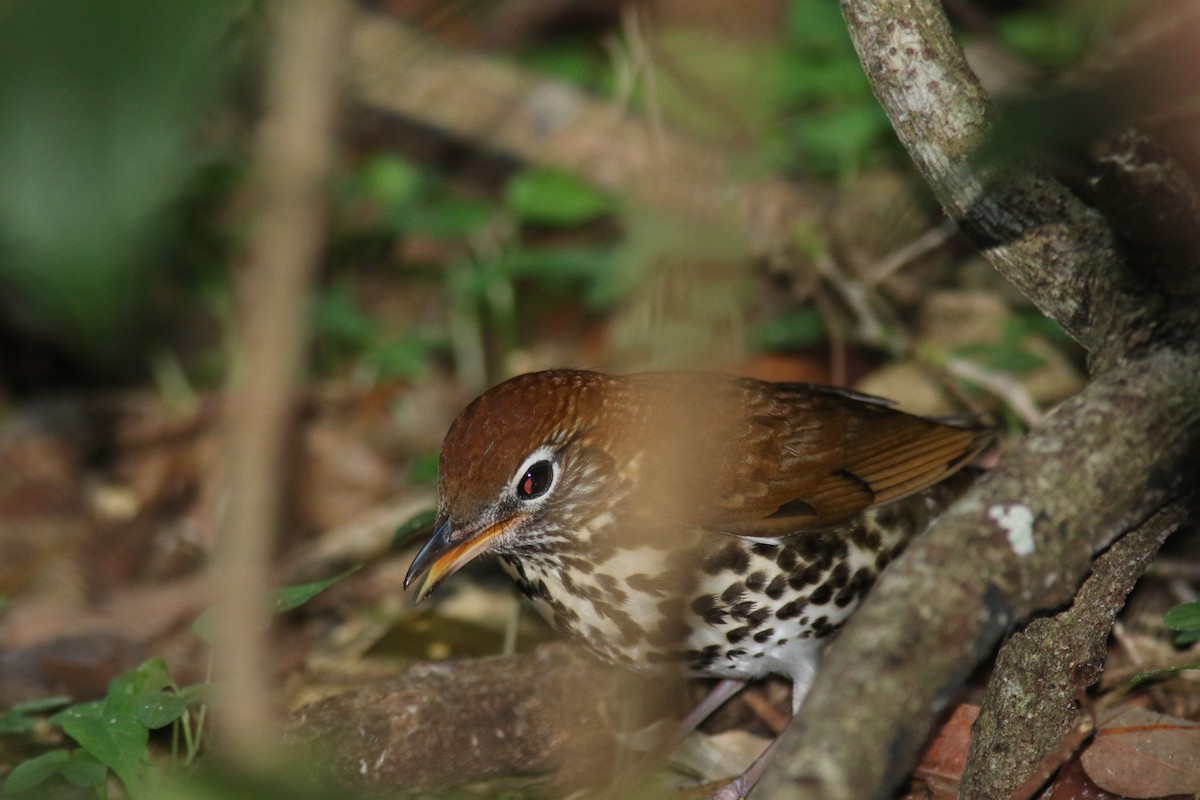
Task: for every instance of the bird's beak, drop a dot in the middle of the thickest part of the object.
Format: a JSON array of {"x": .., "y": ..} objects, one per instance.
[{"x": 447, "y": 551}]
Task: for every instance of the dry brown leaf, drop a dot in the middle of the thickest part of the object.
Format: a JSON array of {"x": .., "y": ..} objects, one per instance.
[
  {"x": 1072, "y": 783},
  {"x": 942, "y": 762},
  {"x": 1139, "y": 753}
]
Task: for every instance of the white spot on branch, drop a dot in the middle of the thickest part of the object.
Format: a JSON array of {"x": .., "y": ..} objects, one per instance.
[{"x": 1017, "y": 522}]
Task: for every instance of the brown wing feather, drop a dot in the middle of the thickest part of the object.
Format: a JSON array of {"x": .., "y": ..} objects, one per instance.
[{"x": 836, "y": 456}]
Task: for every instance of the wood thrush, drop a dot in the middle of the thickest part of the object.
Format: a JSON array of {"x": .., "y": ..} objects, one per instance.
[{"x": 717, "y": 525}]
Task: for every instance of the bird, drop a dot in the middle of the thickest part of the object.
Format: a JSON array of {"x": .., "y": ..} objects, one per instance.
[{"x": 702, "y": 523}]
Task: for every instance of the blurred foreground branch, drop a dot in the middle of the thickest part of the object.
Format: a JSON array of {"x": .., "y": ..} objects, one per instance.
[
  {"x": 293, "y": 158},
  {"x": 551, "y": 124},
  {"x": 1021, "y": 541}
]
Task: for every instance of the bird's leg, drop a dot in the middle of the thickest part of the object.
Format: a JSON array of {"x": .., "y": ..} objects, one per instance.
[
  {"x": 802, "y": 678},
  {"x": 716, "y": 698},
  {"x": 739, "y": 786},
  {"x": 720, "y": 693}
]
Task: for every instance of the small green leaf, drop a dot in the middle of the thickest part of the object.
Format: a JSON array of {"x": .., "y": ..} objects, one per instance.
[
  {"x": 839, "y": 140},
  {"x": 421, "y": 522},
  {"x": 801, "y": 327},
  {"x": 1004, "y": 356},
  {"x": 391, "y": 180},
  {"x": 160, "y": 710},
  {"x": 551, "y": 197},
  {"x": 147, "y": 678},
  {"x": 1051, "y": 40},
  {"x": 281, "y": 600},
  {"x": 405, "y": 357},
  {"x": 443, "y": 217},
  {"x": 340, "y": 319},
  {"x": 21, "y": 718},
  {"x": 34, "y": 771},
  {"x": 110, "y": 731},
  {"x": 1161, "y": 673},
  {"x": 1185, "y": 638},
  {"x": 295, "y": 596},
  {"x": 1183, "y": 617},
  {"x": 84, "y": 770}
]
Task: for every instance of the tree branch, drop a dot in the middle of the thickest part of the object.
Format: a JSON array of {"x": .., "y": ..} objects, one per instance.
[
  {"x": 1032, "y": 701},
  {"x": 1024, "y": 537}
]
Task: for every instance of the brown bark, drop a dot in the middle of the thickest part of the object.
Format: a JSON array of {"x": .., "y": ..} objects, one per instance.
[
  {"x": 546, "y": 713},
  {"x": 1033, "y": 698}
]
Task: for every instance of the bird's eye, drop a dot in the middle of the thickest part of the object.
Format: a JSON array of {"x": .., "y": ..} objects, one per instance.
[{"x": 536, "y": 480}]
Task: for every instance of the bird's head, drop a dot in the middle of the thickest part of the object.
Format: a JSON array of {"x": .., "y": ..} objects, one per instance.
[{"x": 519, "y": 471}]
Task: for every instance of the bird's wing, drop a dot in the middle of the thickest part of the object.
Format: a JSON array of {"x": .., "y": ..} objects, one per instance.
[{"x": 823, "y": 457}]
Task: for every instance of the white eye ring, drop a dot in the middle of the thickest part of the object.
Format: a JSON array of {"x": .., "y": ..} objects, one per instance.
[{"x": 536, "y": 477}]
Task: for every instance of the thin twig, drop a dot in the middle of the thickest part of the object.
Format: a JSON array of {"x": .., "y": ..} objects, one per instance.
[
  {"x": 1001, "y": 385},
  {"x": 294, "y": 160},
  {"x": 924, "y": 244}
]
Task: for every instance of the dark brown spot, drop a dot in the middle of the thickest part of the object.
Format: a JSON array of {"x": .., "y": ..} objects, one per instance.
[
  {"x": 767, "y": 551},
  {"x": 764, "y": 635},
  {"x": 707, "y": 608},
  {"x": 730, "y": 557},
  {"x": 822, "y": 627},
  {"x": 787, "y": 559},
  {"x": 742, "y": 610},
  {"x": 756, "y": 581},
  {"x": 820, "y": 595},
  {"x": 737, "y": 634},
  {"x": 733, "y": 593},
  {"x": 791, "y": 609},
  {"x": 806, "y": 577},
  {"x": 775, "y": 587},
  {"x": 758, "y": 616}
]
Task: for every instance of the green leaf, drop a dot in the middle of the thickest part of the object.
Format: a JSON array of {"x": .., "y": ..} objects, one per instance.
[
  {"x": 443, "y": 217},
  {"x": 84, "y": 206},
  {"x": 160, "y": 710},
  {"x": 21, "y": 718},
  {"x": 422, "y": 522},
  {"x": 817, "y": 28},
  {"x": 340, "y": 319},
  {"x": 1051, "y": 40},
  {"x": 1183, "y": 617},
  {"x": 839, "y": 141},
  {"x": 147, "y": 678},
  {"x": 110, "y": 732},
  {"x": 1003, "y": 356},
  {"x": 551, "y": 197},
  {"x": 390, "y": 180},
  {"x": 405, "y": 357},
  {"x": 1185, "y": 638},
  {"x": 801, "y": 327},
  {"x": 1154, "y": 674},
  {"x": 292, "y": 597},
  {"x": 34, "y": 771},
  {"x": 84, "y": 770},
  {"x": 280, "y": 600}
]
